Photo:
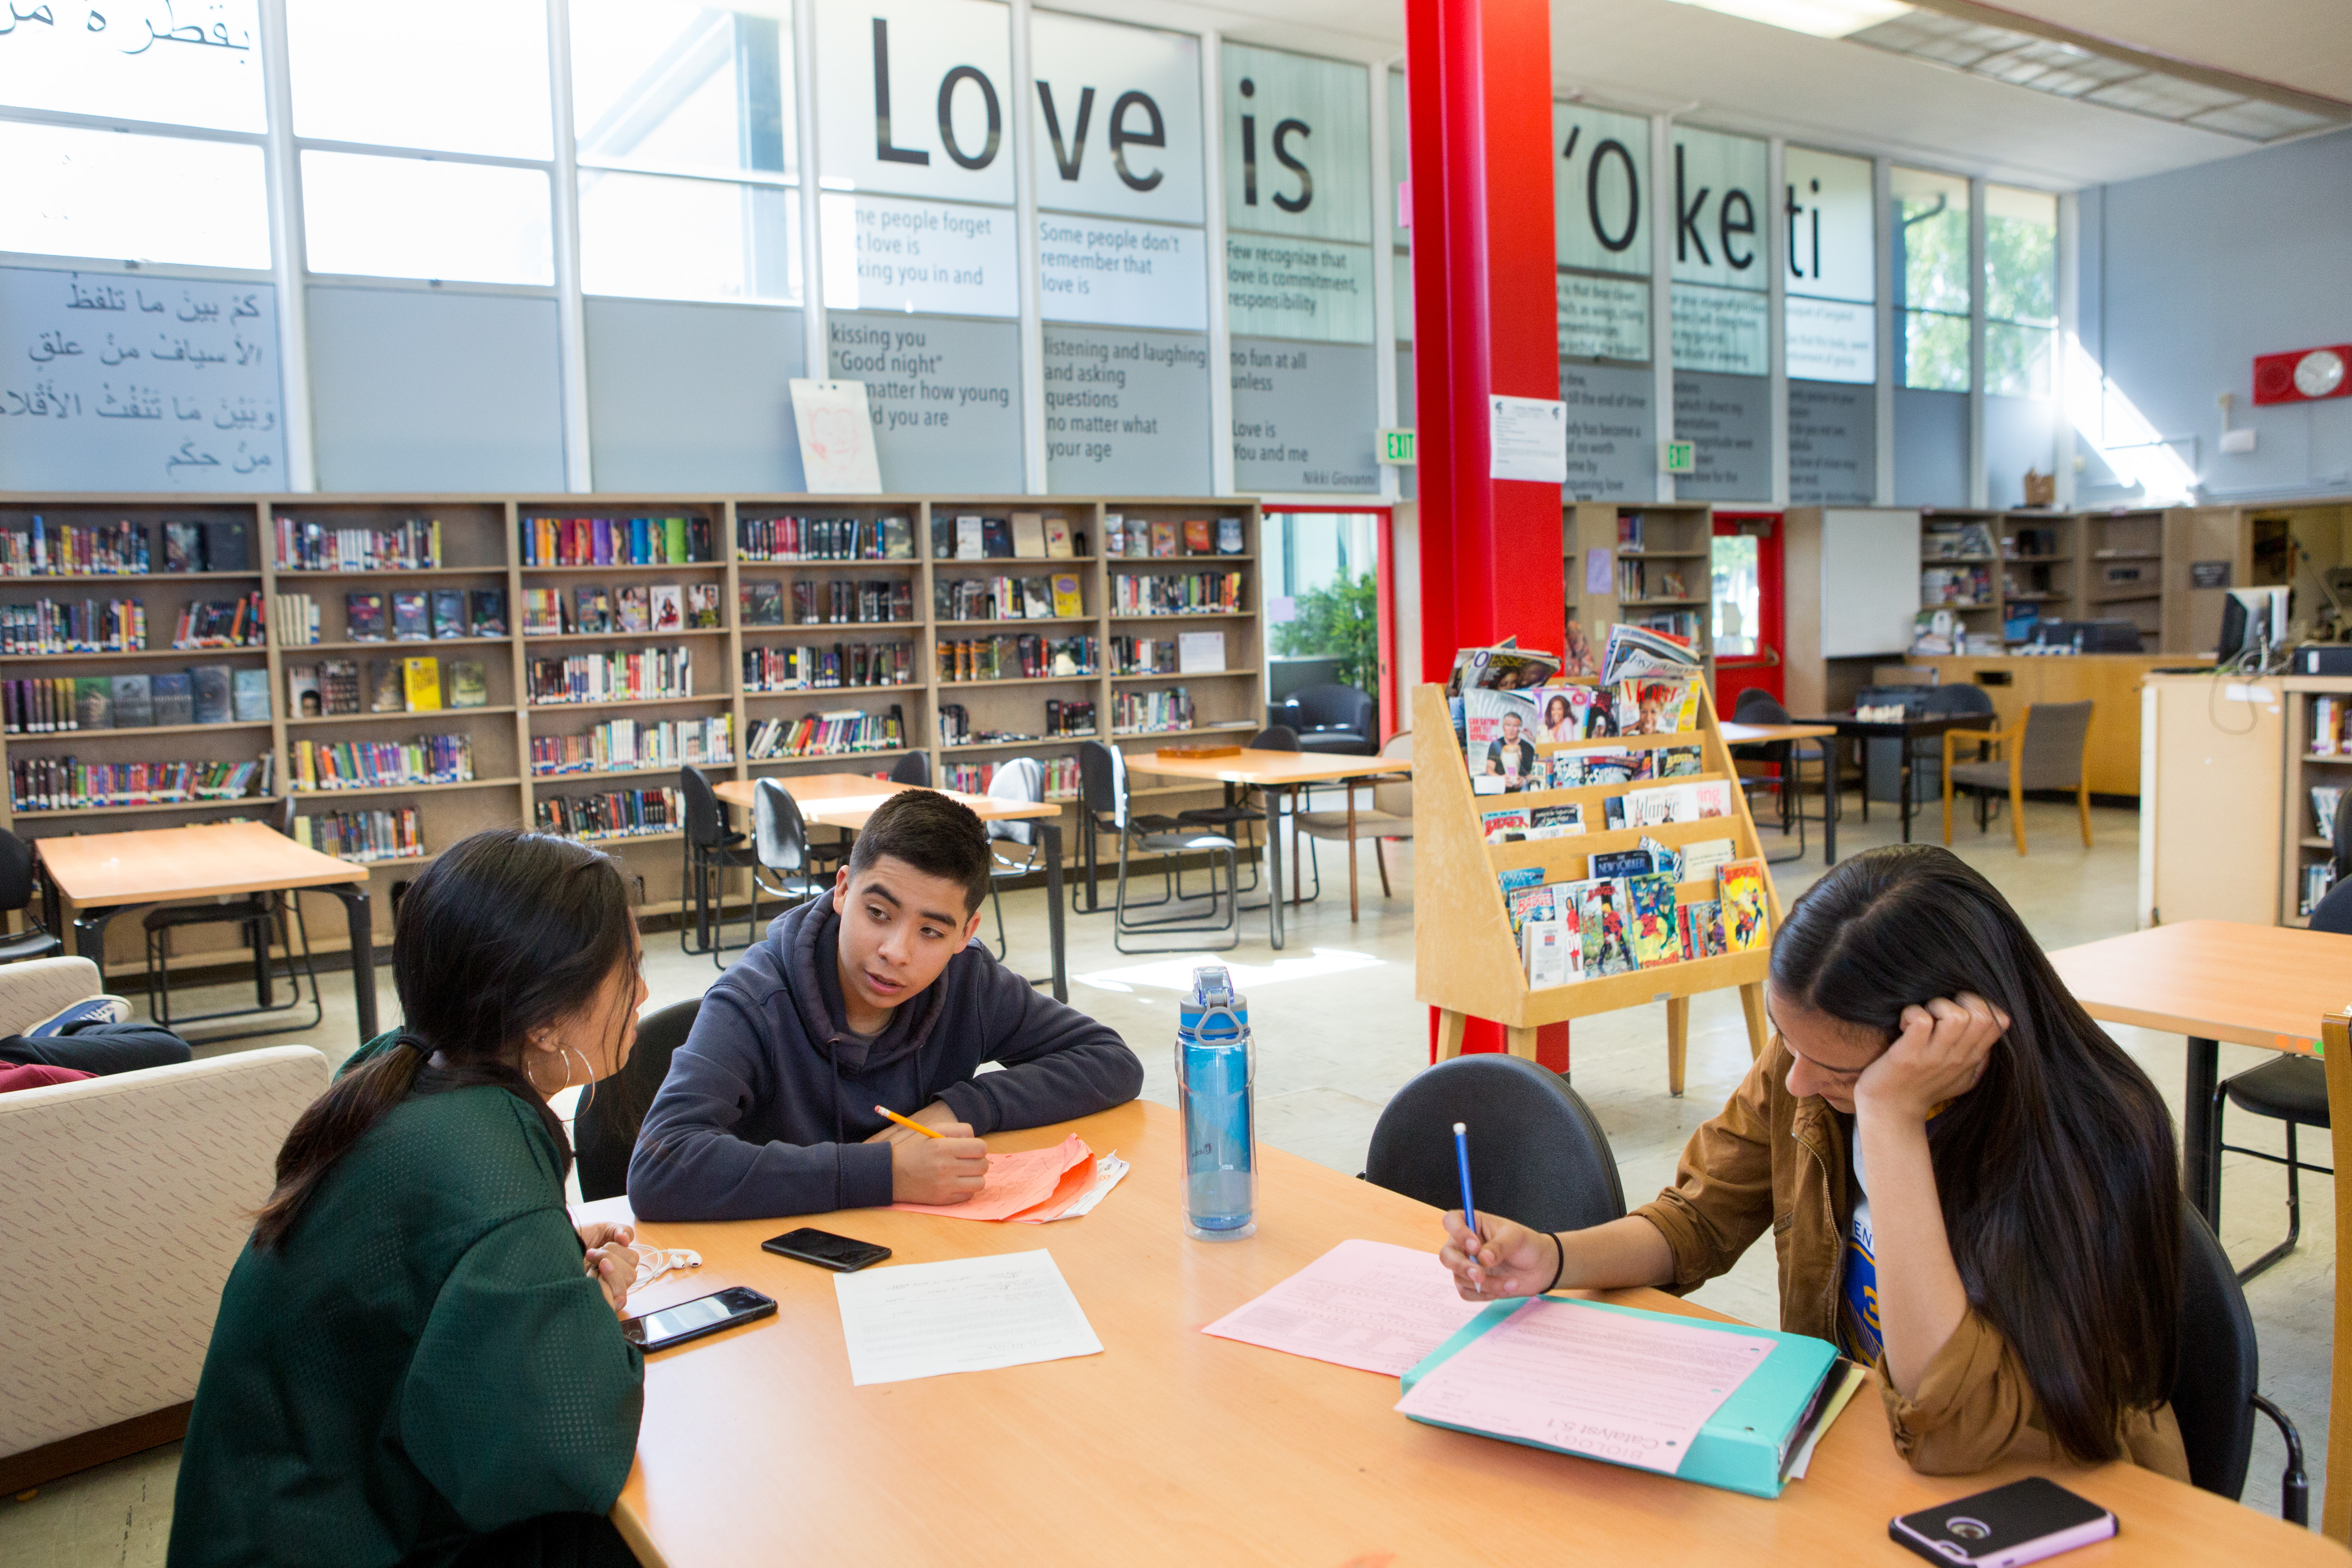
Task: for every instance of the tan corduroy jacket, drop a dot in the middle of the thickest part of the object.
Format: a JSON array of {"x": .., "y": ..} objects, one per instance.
[{"x": 1770, "y": 1159}]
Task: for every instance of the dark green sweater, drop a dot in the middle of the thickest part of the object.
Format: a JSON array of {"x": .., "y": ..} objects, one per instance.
[{"x": 424, "y": 1361}]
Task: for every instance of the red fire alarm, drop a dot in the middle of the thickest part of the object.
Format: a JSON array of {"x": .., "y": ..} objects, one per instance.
[{"x": 2303, "y": 375}]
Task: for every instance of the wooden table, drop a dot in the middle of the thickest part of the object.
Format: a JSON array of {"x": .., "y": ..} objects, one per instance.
[
  {"x": 1788, "y": 735},
  {"x": 103, "y": 874},
  {"x": 1908, "y": 729},
  {"x": 2212, "y": 981},
  {"x": 1271, "y": 773},
  {"x": 1173, "y": 1447},
  {"x": 846, "y": 800}
]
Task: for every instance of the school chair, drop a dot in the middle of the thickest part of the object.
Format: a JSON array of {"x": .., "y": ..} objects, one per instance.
[
  {"x": 1390, "y": 816},
  {"x": 2045, "y": 749},
  {"x": 605, "y": 1122},
  {"x": 1103, "y": 808},
  {"x": 1538, "y": 1155},
  {"x": 712, "y": 849},
  {"x": 914, "y": 768},
  {"x": 780, "y": 846},
  {"x": 2335, "y": 1521},
  {"x": 17, "y": 889},
  {"x": 1022, "y": 779},
  {"x": 2214, "y": 1394},
  {"x": 1244, "y": 809},
  {"x": 266, "y": 919}
]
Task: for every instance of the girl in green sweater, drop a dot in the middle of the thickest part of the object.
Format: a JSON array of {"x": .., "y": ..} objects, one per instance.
[{"x": 418, "y": 1359}]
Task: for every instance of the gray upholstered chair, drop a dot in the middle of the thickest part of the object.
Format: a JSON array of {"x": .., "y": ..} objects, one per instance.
[{"x": 2044, "y": 749}]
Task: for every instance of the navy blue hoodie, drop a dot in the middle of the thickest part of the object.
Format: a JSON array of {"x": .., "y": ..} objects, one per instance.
[{"x": 768, "y": 1102}]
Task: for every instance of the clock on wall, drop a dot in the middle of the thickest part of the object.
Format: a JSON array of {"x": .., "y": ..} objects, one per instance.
[{"x": 2303, "y": 375}]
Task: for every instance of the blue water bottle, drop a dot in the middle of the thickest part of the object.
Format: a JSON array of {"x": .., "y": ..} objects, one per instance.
[{"x": 1214, "y": 1068}]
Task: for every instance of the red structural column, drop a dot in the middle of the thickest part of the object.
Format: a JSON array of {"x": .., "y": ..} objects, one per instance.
[{"x": 1479, "y": 87}]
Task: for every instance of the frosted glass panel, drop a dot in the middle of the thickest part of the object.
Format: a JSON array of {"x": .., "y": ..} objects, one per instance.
[
  {"x": 191, "y": 62},
  {"x": 141, "y": 198},
  {"x": 453, "y": 76},
  {"x": 412, "y": 218}
]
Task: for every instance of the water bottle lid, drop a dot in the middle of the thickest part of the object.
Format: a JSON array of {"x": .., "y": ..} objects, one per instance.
[{"x": 1213, "y": 985}]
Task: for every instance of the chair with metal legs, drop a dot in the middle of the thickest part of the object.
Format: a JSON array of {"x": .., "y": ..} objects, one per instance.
[
  {"x": 1021, "y": 779},
  {"x": 779, "y": 848},
  {"x": 712, "y": 849},
  {"x": 1103, "y": 774},
  {"x": 271, "y": 918},
  {"x": 1244, "y": 812}
]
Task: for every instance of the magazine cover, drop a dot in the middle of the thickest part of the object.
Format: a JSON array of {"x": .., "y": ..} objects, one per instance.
[
  {"x": 1517, "y": 879},
  {"x": 1498, "y": 736},
  {"x": 1505, "y": 668},
  {"x": 1537, "y": 903},
  {"x": 1636, "y": 652},
  {"x": 1678, "y": 762},
  {"x": 1568, "y": 817},
  {"x": 1602, "y": 922},
  {"x": 1624, "y": 863},
  {"x": 1551, "y": 948},
  {"x": 1615, "y": 765},
  {"x": 1702, "y": 929},
  {"x": 1656, "y": 940},
  {"x": 1703, "y": 858},
  {"x": 1664, "y": 860},
  {"x": 1576, "y": 662},
  {"x": 1499, "y": 823},
  {"x": 1657, "y": 707},
  {"x": 1711, "y": 797},
  {"x": 1744, "y": 920}
]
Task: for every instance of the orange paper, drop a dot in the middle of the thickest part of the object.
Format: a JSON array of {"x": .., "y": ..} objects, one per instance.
[{"x": 1035, "y": 1185}]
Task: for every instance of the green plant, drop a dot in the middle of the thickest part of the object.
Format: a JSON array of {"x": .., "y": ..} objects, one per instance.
[{"x": 1341, "y": 620}]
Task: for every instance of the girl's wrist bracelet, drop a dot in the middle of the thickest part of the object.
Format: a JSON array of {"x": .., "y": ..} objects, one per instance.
[{"x": 1561, "y": 1266}]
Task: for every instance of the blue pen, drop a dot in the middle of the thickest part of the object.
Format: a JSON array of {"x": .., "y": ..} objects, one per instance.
[{"x": 1461, "y": 1155}]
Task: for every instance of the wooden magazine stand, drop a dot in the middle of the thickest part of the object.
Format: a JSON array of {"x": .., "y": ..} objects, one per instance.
[{"x": 1466, "y": 960}]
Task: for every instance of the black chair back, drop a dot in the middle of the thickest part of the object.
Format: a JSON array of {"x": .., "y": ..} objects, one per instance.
[
  {"x": 1538, "y": 1155},
  {"x": 706, "y": 820},
  {"x": 914, "y": 768},
  {"x": 1756, "y": 706},
  {"x": 1957, "y": 700},
  {"x": 2212, "y": 1397},
  {"x": 2334, "y": 912},
  {"x": 779, "y": 832},
  {"x": 1102, "y": 786},
  {"x": 1275, "y": 738},
  {"x": 1338, "y": 716},
  {"x": 605, "y": 1128},
  {"x": 16, "y": 872}
]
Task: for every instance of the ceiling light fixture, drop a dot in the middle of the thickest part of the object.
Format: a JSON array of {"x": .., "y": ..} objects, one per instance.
[{"x": 1822, "y": 18}]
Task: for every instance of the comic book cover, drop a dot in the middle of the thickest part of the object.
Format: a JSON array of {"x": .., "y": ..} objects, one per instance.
[
  {"x": 1498, "y": 824},
  {"x": 1537, "y": 903},
  {"x": 1744, "y": 920},
  {"x": 1602, "y": 920},
  {"x": 1678, "y": 762},
  {"x": 1567, "y": 770},
  {"x": 1656, "y": 940},
  {"x": 1518, "y": 879},
  {"x": 1702, "y": 929},
  {"x": 1615, "y": 764},
  {"x": 1664, "y": 860}
]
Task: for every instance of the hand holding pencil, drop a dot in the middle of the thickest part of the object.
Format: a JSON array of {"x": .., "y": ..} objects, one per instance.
[{"x": 934, "y": 1159}]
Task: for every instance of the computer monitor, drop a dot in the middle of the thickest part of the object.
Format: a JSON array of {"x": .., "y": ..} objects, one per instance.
[
  {"x": 2252, "y": 619},
  {"x": 2088, "y": 637}
]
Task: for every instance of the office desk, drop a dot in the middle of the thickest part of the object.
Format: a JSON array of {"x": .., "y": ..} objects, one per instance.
[
  {"x": 846, "y": 800},
  {"x": 1271, "y": 773},
  {"x": 1173, "y": 1448},
  {"x": 1788, "y": 735},
  {"x": 103, "y": 874},
  {"x": 2212, "y": 981},
  {"x": 1907, "y": 731}
]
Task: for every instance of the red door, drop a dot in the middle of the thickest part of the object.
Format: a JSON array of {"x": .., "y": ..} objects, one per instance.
[{"x": 1748, "y": 608}]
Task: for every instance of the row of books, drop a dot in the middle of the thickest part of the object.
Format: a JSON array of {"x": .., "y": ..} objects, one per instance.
[
  {"x": 1615, "y": 925},
  {"x": 1682, "y": 625},
  {"x": 1955, "y": 587},
  {"x": 2331, "y": 727},
  {"x": 621, "y": 744},
  {"x": 222, "y": 623},
  {"x": 1143, "y": 712},
  {"x": 69, "y": 783},
  {"x": 615, "y": 814},
  {"x": 412, "y": 545},
  {"x": 1007, "y": 598},
  {"x": 390, "y": 832},
  {"x": 1165, "y": 537},
  {"x": 336, "y": 687},
  {"x": 315, "y": 765},
  {"x": 615, "y": 675},
  {"x": 294, "y": 620},
  {"x": 1059, "y": 775},
  {"x": 644, "y": 608},
  {"x": 2318, "y": 877},
  {"x": 205, "y": 694},
  {"x": 1636, "y": 581},
  {"x": 785, "y": 667},
  {"x": 824, "y": 538},
  {"x": 423, "y": 615},
  {"x": 956, "y": 730},
  {"x": 615, "y": 541},
  {"x": 2324, "y": 799},
  {"x": 877, "y": 602},
  {"x": 1142, "y": 656},
  {"x": 59, "y": 625},
  {"x": 834, "y": 733},
  {"x": 1946, "y": 541},
  {"x": 1029, "y": 656},
  {"x": 1175, "y": 594},
  {"x": 1023, "y": 536},
  {"x": 39, "y": 547}
]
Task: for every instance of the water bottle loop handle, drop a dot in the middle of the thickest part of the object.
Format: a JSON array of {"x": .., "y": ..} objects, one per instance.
[{"x": 1240, "y": 1035}]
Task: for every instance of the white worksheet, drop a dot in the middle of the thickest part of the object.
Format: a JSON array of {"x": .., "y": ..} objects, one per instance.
[
  {"x": 1371, "y": 1305},
  {"x": 968, "y": 1314}
]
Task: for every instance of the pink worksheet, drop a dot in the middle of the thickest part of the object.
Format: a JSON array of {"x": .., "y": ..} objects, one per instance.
[
  {"x": 1047, "y": 1181},
  {"x": 1365, "y": 1304},
  {"x": 1577, "y": 1376}
]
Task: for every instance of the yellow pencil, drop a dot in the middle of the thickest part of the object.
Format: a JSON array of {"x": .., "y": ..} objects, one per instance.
[{"x": 908, "y": 1122}]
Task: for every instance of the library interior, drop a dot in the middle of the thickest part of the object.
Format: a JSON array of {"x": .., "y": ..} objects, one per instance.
[{"x": 811, "y": 665}]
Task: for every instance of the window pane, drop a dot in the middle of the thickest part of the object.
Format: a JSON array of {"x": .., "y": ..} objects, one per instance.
[
  {"x": 1931, "y": 241},
  {"x": 456, "y": 75},
  {"x": 1739, "y": 601},
  {"x": 413, "y": 218},
  {"x": 2017, "y": 359},
  {"x": 109, "y": 60},
  {"x": 2021, "y": 256},
  {"x": 1935, "y": 351},
  {"x": 140, "y": 198},
  {"x": 688, "y": 240},
  {"x": 684, "y": 87}
]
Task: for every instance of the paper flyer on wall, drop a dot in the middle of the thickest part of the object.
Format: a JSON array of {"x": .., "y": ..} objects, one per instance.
[{"x": 837, "y": 435}]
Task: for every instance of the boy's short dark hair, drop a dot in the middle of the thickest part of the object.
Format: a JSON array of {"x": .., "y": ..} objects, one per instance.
[{"x": 936, "y": 836}]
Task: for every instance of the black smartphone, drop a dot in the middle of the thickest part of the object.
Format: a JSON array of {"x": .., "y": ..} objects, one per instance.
[
  {"x": 2023, "y": 1521},
  {"x": 692, "y": 1319},
  {"x": 842, "y": 1254}
]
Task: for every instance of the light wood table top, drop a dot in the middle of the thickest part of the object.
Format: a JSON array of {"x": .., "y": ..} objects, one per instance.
[
  {"x": 97, "y": 870},
  {"x": 846, "y": 800},
  {"x": 1249, "y": 766},
  {"x": 2250, "y": 985},
  {"x": 1735, "y": 734},
  {"x": 1178, "y": 1448}
]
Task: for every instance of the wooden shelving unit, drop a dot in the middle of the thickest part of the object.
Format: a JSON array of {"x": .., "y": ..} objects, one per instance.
[
  {"x": 1466, "y": 958},
  {"x": 2041, "y": 566},
  {"x": 481, "y": 548},
  {"x": 2301, "y": 843},
  {"x": 1678, "y": 541},
  {"x": 2123, "y": 575}
]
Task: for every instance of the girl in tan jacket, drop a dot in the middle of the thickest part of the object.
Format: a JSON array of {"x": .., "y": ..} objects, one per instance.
[{"x": 1969, "y": 1184}]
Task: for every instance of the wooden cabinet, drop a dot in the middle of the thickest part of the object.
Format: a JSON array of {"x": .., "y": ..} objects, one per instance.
[{"x": 2211, "y": 821}]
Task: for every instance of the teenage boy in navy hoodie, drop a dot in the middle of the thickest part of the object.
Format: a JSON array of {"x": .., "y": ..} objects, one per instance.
[{"x": 872, "y": 995}]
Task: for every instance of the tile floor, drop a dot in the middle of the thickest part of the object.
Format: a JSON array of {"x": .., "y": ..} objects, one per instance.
[{"x": 1338, "y": 1032}]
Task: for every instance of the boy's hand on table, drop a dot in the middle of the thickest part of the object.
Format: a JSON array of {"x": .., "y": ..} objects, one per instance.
[{"x": 947, "y": 1169}]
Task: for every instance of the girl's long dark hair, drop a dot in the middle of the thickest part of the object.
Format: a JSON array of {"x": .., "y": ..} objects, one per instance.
[
  {"x": 2057, "y": 1173},
  {"x": 505, "y": 933}
]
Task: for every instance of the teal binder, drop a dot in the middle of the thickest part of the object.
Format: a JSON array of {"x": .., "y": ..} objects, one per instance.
[{"x": 1743, "y": 1445}]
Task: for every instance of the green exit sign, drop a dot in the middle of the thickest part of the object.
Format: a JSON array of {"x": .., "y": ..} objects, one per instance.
[
  {"x": 1677, "y": 458},
  {"x": 1396, "y": 448}
]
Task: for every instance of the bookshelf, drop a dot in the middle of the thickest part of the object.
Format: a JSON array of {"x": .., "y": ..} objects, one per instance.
[
  {"x": 2040, "y": 570},
  {"x": 2123, "y": 571},
  {"x": 482, "y": 548},
  {"x": 2305, "y": 850},
  {"x": 1960, "y": 571},
  {"x": 1659, "y": 569}
]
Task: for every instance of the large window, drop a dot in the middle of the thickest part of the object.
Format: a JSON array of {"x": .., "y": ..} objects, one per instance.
[
  {"x": 1931, "y": 278},
  {"x": 1322, "y": 594},
  {"x": 2021, "y": 290}
]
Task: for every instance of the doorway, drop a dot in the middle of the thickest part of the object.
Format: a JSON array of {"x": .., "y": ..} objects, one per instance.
[
  {"x": 1749, "y": 607},
  {"x": 1330, "y": 604}
]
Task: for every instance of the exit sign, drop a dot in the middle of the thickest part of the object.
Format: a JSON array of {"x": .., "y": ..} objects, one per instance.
[
  {"x": 1677, "y": 458},
  {"x": 1396, "y": 448}
]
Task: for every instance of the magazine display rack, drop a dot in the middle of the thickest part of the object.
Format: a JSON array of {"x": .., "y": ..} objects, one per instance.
[{"x": 1466, "y": 958}]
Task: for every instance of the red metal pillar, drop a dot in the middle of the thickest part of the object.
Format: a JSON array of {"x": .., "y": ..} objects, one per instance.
[{"x": 1478, "y": 76}]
